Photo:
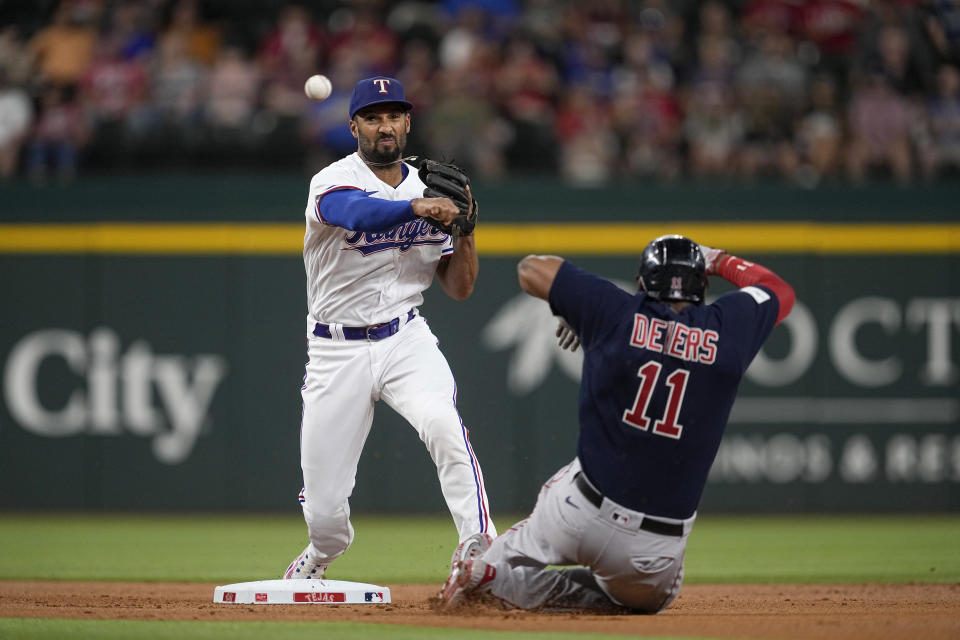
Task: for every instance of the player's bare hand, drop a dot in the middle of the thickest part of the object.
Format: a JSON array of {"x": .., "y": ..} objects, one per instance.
[
  {"x": 441, "y": 209},
  {"x": 567, "y": 337}
]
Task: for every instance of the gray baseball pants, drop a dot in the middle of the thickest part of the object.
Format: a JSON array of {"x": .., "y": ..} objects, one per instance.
[{"x": 620, "y": 564}]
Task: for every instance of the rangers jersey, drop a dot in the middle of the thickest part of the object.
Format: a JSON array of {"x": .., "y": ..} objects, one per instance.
[{"x": 361, "y": 278}]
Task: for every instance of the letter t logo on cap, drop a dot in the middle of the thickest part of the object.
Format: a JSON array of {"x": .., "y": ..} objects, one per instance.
[{"x": 383, "y": 82}]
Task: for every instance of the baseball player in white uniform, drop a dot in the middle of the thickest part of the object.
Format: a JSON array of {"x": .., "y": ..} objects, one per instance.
[{"x": 369, "y": 253}]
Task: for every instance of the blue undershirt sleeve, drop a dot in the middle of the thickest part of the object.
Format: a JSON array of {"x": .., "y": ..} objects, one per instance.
[{"x": 355, "y": 210}]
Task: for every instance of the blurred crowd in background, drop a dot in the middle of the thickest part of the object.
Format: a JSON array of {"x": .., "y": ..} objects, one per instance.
[{"x": 592, "y": 91}]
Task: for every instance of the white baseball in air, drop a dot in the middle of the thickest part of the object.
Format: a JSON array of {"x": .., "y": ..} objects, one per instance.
[{"x": 318, "y": 87}]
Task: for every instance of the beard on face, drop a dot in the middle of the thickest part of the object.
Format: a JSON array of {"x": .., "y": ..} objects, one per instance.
[{"x": 373, "y": 153}]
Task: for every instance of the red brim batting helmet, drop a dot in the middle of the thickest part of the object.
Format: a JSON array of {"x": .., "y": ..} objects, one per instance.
[{"x": 377, "y": 90}]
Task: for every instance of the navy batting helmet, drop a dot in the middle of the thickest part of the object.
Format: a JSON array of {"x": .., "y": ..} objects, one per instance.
[{"x": 672, "y": 268}]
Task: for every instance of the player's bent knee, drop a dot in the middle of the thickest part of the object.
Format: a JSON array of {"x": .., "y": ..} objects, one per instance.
[
  {"x": 445, "y": 437},
  {"x": 441, "y": 422},
  {"x": 647, "y": 592},
  {"x": 647, "y": 599}
]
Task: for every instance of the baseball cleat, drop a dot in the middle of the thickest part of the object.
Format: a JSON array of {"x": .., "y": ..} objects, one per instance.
[
  {"x": 465, "y": 580},
  {"x": 305, "y": 567},
  {"x": 475, "y": 545}
]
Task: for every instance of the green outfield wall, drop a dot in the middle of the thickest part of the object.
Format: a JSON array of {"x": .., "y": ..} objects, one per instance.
[{"x": 152, "y": 345}]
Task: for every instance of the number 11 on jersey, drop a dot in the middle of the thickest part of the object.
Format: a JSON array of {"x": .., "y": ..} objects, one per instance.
[{"x": 666, "y": 426}]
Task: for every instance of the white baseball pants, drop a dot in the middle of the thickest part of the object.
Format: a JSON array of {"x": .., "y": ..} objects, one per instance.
[
  {"x": 343, "y": 380},
  {"x": 622, "y": 565}
]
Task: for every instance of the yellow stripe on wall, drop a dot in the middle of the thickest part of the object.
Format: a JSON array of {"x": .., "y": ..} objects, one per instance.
[
  {"x": 787, "y": 237},
  {"x": 492, "y": 239},
  {"x": 153, "y": 238}
]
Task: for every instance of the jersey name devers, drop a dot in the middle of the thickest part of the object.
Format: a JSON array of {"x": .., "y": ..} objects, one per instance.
[
  {"x": 674, "y": 339},
  {"x": 402, "y": 237}
]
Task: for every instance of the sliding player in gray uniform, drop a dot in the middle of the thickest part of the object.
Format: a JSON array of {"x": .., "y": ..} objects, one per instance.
[{"x": 660, "y": 374}]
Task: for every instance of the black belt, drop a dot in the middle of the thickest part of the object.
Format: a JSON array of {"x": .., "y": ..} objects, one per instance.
[
  {"x": 647, "y": 524},
  {"x": 373, "y": 332}
]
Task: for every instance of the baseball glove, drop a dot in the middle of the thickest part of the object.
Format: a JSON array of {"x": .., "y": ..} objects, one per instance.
[{"x": 447, "y": 180}]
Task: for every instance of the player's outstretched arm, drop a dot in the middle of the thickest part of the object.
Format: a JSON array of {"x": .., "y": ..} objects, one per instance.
[
  {"x": 355, "y": 210},
  {"x": 458, "y": 273},
  {"x": 742, "y": 273},
  {"x": 536, "y": 274}
]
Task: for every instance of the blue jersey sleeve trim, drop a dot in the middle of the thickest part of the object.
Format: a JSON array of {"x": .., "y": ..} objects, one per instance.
[{"x": 354, "y": 209}]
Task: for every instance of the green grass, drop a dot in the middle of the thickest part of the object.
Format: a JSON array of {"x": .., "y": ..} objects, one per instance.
[
  {"x": 55, "y": 629},
  {"x": 818, "y": 549},
  {"x": 388, "y": 550},
  {"x": 232, "y": 548},
  {"x": 224, "y": 549}
]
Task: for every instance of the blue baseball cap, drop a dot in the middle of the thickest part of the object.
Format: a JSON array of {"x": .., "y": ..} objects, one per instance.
[{"x": 377, "y": 90}]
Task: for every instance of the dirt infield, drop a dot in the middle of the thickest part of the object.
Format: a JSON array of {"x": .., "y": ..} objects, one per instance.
[{"x": 928, "y": 611}]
